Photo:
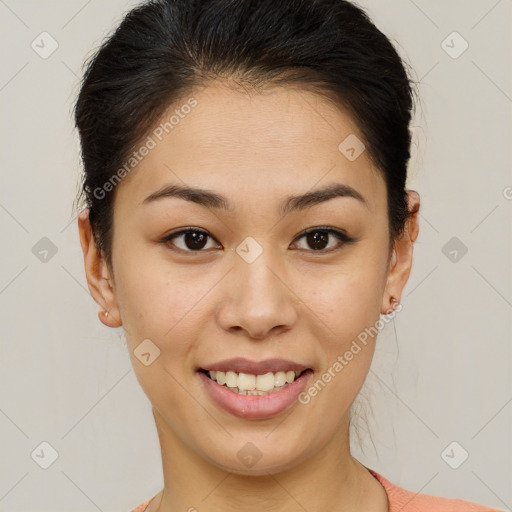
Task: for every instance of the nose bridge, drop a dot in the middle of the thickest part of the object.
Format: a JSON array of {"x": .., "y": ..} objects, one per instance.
[
  {"x": 258, "y": 279},
  {"x": 259, "y": 300}
]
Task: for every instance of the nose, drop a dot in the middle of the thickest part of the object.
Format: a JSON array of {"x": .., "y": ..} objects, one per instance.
[{"x": 258, "y": 298}]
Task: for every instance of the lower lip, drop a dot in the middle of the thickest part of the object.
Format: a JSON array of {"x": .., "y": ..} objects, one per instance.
[{"x": 255, "y": 407}]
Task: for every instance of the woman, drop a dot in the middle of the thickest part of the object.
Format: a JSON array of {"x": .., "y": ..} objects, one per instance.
[{"x": 247, "y": 223}]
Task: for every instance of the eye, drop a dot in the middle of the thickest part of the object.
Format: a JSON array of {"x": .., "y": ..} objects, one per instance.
[
  {"x": 192, "y": 239},
  {"x": 318, "y": 238},
  {"x": 195, "y": 239}
]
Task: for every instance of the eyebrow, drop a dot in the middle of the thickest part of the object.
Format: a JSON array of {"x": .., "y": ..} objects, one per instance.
[{"x": 291, "y": 203}]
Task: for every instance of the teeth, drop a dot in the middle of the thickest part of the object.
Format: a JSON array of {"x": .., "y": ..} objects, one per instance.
[
  {"x": 249, "y": 384},
  {"x": 254, "y": 391},
  {"x": 231, "y": 379},
  {"x": 280, "y": 378},
  {"x": 290, "y": 376},
  {"x": 264, "y": 382},
  {"x": 247, "y": 381}
]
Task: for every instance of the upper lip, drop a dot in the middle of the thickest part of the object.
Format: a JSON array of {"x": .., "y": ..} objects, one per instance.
[{"x": 242, "y": 365}]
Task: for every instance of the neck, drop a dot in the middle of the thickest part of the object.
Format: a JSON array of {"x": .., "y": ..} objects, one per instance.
[{"x": 331, "y": 479}]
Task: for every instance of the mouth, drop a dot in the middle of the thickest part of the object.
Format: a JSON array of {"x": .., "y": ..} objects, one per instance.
[
  {"x": 255, "y": 384},
  {"x": 254, "y": 396}
]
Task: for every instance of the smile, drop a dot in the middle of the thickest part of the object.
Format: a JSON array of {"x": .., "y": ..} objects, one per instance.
[
  {"x": 254, "y": 385},
  {"x": 281, "y": 391}
]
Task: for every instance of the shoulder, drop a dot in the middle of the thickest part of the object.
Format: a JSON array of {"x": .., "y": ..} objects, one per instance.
[
  {"x": 402, "y": 500},
  {"x": 142, "y": 506}
]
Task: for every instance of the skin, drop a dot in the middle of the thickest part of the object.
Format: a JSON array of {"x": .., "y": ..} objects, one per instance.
[{"x": 292, "y": 302}]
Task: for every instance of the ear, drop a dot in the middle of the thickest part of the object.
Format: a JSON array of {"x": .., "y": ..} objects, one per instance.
[
  {"x": 99, "y": 278},
  {"x": 401, "y": 259}
]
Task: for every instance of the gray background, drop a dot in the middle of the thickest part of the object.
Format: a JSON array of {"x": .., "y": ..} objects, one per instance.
[{"x": 442, "y": 372}]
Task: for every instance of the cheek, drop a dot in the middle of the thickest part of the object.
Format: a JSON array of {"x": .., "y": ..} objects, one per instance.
[
  {"x": 350, "y": 307},
  {"x": 350, "y": 299},
  {"x": 154, "y": 297},
  {"x": 164, "y": 309}
]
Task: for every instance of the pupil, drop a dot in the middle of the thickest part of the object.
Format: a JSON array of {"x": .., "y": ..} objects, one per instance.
[
  {"x": 195, "y": 240},
  {"x": 318, "y": 237}
]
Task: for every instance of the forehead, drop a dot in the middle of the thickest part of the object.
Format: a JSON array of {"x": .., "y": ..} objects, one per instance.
[{"x": 243, "y": 143}]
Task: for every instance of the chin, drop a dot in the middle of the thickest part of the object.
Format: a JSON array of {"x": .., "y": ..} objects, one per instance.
[{"x": 251, "y": 461}]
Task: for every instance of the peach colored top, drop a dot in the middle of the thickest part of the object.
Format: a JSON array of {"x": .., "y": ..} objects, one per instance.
[{"x": 401, "y": 500}]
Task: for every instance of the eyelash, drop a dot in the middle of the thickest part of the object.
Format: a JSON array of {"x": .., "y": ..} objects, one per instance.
[{"x": 343, "y": 238}]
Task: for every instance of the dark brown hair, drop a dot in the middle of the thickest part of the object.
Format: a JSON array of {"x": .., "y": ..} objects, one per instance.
[{"x": 164, "y": 48}]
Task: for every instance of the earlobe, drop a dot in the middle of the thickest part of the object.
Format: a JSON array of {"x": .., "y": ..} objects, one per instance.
[
  {"x": 97, "y": 274},
  {"x": 106, "y": 319},
  {"x": 401, "y": 259}
]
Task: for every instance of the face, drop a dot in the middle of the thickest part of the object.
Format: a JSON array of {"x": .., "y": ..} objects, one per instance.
[{"x": 252, "y": 272}]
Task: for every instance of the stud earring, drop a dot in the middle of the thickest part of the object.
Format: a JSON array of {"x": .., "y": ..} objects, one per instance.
[
  {"x": 394, "y": 305},
  {"x": 106, "y": 314}
]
